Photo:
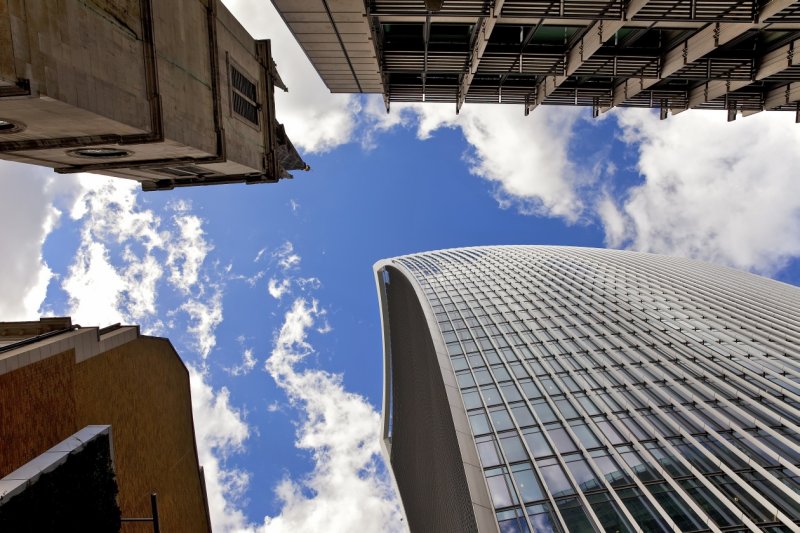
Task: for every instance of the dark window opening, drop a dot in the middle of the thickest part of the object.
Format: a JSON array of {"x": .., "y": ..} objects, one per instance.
[{"x": 244, "y": 96}]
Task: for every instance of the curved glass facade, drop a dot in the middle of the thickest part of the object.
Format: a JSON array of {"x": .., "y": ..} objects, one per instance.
[{"x": 615, "y": 391}]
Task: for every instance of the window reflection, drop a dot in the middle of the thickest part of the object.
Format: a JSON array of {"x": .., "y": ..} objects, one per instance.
[
  {"x": 513, "y": 448},
  {"x": 541, "y": 517},
  {"x": 500, "y": 488},
  {"x": 555, "y": 478},
  {"x": 537, "y": 442}
]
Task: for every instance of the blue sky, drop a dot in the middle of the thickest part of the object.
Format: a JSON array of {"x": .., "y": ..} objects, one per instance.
[{"x": 268, "y": 293}]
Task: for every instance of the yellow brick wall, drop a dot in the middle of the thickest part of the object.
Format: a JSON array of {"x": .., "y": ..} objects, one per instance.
[{"x": 142, "y": 390}]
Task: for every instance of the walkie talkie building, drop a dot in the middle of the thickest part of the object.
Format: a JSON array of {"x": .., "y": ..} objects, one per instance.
[{"x": 566, "y": 389}]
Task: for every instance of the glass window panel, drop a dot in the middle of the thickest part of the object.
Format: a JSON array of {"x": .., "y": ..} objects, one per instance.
[
  {"x": 666, "y": 460},
  {"x": 538, "y": 369},
  {"x": 565, "y": 408},
  {"x": 644, "y": 471},
  {"x": 490, "y": 395},
  {"x": 697, "y": 459},
  {"x": 561, "y": 439},
  {"x": 510, "y": 392},
  {"x": 472, "y": 400},
  {"x": 530, "y": 389},
  {"x": 742, "y": 498},
  {"x": 608, "y": 513},
  {"x": 722, "y": 452},
  {"x": 449, "y": 336},
  {"x": 500, "y": 488},
  {"x": 642, "y": 512},
  {"x": 465, "y": 380},
  {"x": 479, "y": 423},
  {"x": 574, "y": 516},
  {"x": 487, "y": 450},
  {"x": 609, "y": 468},
  {"x": 550, "y": 386},
  {"x": 709, "y": 503},
  {"x": 607, "y": 429},
  {"x": 470, "y": 346},
  {"x": 530, "y": 490},
  {"x": 512, "y": 521},
  {"x": 582, "y": 473},
  {"x": 513, "y": 448},
  {"x": 459, "y": 363},
  {"x": 542, "y": 519},
  {"x": 544, "y": 412},
  {"x": 635, "y": 428},
  {"x": 501, "y": 419},
  {"x": 677, "y": 509},
  {"x": 610, "y": 401},
  {"x": 475, "y": 360},
  {"x": 585, "y": 435},
  {"x": 570, "y": 384},
  {"x": 519, "y": 370},
  {"x": 555, "y": 478},
  {"x": 454, "y": 349},
  {"x": 537, "y": 443},
  {"x": 492, "y": 357},
  {"x": 482, "y": 377},
  {"x": 500, "y": 373},
  {"x": 588, "y": 405},
  {"x": 523, "y": 416},
  {"x": 508, "y": 354}
]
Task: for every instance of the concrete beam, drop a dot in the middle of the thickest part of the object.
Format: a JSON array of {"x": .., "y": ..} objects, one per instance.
[
  {"x": 695, "y": 47},
  {"x": 786, "y": 95},
  {"x": 779, "y": 60},
  {"x": 773, "y": 8},
  {"x": 711, "y": 90},
  {"x": 487, "y": 25},
  {"x": 770, "y": 64},
  {"x": 594, "y": 38}
]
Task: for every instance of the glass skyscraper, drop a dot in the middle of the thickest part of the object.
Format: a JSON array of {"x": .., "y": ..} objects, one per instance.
[{"x": 534, "y": 388}]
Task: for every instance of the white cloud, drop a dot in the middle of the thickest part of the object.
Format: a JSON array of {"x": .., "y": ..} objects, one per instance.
[
  {"x": 116, "y": 276},
  {"x": 31, "y": 204},
  {"x": 310, "y": 283},
  {"x": 526, "y": 159},
  {"x": 346, "y": 491},
  {"x": 101, "y": 293},
  {"x": 286, "y": 256},
  {"x": 723, "y": 192},
  {"x": 278, "y": 288},
  {"x": 220, "y": 430},
  {"x": 187, "y": 251},
  {"x": 205, "y": 314},
  {"x": 249, "y": 362},
  {"x": 315, "y": 119},
  {"x": 614, "y": 224}
]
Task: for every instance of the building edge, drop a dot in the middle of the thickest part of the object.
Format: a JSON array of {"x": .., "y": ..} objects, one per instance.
[{"x": 478, "y": 492}]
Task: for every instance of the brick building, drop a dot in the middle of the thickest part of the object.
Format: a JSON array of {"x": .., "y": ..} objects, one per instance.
[{"x": 63, "y": 384}]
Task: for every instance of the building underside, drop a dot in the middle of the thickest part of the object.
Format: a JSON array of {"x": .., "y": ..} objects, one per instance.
[{"x": 736, "y": 55}]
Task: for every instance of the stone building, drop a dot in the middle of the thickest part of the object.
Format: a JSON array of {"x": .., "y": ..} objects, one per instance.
[
  {"x": 71, "y": 400},
  {"x": 167, "y": 93}
]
